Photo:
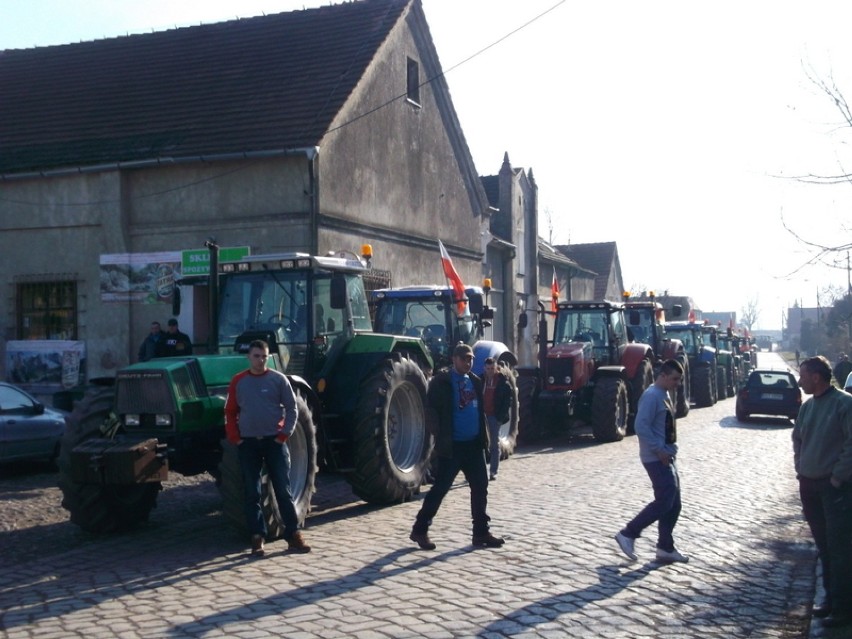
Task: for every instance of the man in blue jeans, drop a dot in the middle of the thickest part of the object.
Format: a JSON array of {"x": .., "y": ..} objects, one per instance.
[
  {"x": 657, "y": 433},
  {"x": 260, "y": 416},
  {"x": 456, "y": 416}
]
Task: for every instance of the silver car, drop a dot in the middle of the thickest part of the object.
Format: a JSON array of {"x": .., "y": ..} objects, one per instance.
[{"x": 28, "y": 430}]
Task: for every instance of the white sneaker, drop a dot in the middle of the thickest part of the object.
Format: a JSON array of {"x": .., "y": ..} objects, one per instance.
[
  {"x": 626, "y": 545},
  {"x": 671, "y": 557}
]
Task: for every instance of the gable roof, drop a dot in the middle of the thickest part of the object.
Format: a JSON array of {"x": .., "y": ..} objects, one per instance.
[
  {"x": 599, "y": 257},
  {"x": 244, "y": 86}
]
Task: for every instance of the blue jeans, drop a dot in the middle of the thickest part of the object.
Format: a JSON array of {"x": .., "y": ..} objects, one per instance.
[
  {"x": 665, "y": 509},
  {"x": 469, "y": 458},
  {"x": 254, "y": 452},
  {"x": 828, "y": 511},
  {"x": 494, "y": 442}
]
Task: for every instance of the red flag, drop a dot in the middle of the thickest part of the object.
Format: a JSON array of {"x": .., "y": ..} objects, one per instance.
[
  {"x": 690, "y": 316},
  {"x": 554, "y": 292},
  {"x": 453, "y": 278}
]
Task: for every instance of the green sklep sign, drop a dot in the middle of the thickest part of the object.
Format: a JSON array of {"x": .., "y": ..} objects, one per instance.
[{"x": 197, "y": 262}]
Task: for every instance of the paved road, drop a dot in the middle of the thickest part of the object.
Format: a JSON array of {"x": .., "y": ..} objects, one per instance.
[{"x": 559, "y": 574}]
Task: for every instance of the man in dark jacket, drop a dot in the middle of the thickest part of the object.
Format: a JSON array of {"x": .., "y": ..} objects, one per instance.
[
  {"x": 457, "y": 419},
  {"x": 175, "y": 342}
]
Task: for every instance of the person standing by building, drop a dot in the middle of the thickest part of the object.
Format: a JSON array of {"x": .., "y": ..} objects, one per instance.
[
  {"x": 260, "y": 416},
  {"x": 822, "y": 456},
  {"x": 457, "y": 420},
  {"x": 175, "y": 343},
  {"x": 497, "y": 402},
  {"x": 656, "y": 430},
  {"x": 148, "y": 349}
]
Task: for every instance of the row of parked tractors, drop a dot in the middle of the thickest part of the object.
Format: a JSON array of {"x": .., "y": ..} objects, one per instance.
[
  {"x": 599, "y": 357},
  {"x": 360, "y": 366}
]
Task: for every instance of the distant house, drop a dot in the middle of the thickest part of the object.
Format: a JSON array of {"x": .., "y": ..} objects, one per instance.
[
  {"x": 600, "y": 258},
  {"x": 520, "y": 263},
  {"x": 312, "y": 130}
]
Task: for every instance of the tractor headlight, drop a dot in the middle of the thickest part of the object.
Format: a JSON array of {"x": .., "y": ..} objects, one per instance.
[
  {"x": 132, "y": 419},
  {"x": 550, "y": 379},
  {"x": 163, "y": 420},
  {"x": 567, "y": 380}
]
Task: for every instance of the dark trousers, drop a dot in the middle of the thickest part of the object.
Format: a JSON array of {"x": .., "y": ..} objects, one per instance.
[
  {"x": 828, "y": 511},
  {"x": 665, "y": 509},
  {"x": 254, "y": 453},
  {"x": 469, "y": 458}
]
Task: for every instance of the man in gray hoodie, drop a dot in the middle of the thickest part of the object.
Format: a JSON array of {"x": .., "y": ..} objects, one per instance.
[{"x": 657, "y": 433}]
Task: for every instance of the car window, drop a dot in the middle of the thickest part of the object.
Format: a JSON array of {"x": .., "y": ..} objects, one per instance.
[
  {"x": 13, "y": 399},
  {"x": 776, "y": 380}
]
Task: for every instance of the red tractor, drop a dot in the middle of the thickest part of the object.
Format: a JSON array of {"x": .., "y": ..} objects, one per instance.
[{"x": 588, "y": 372}]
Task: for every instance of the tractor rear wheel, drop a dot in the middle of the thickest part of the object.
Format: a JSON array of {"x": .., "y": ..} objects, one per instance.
[
  {"x": 303, "y": 471},
  {"x": 721, "y": 383},
  {"x": 684, "y": 390},
  {"x": 391, "y": 444},
  {"x": 702, "y": 386},
  {"x": 609, "y": 410},
  {"x": 643, "y": 378},
  {"x": 529, "y": 428},
  {"x": 100, "y": 508}
]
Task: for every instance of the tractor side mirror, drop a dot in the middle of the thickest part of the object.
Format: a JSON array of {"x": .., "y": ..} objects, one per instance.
[
  {"x": 677, "y": 310},
  {"x": 523, "y": 320},
  {"x": 476, "y": 305},
  {"x": 338, "y": 291},
  {"x": 486, "y": 313}
]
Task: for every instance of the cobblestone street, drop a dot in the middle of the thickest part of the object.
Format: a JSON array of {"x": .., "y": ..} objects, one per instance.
[{"x": 560, "y": 574}]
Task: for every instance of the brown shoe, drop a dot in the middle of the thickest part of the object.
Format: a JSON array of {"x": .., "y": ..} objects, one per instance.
[
  {"x": 297, "y": 544},
  {"x": 257, "y": 546},
  {"x": 488, "y": 540},
  {"x": 422, "y": 540}
]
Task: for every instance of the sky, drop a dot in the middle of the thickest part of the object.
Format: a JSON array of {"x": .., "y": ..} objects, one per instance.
[{"x": 677, "y": 129}]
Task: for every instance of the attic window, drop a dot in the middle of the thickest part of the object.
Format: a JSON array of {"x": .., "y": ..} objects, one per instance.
[{"x": 413, "y": 81}]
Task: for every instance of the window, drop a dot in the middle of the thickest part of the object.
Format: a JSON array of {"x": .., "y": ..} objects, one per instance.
[
  {"x": 413, "y": 81},
  {"x": 47, "y": 310}
]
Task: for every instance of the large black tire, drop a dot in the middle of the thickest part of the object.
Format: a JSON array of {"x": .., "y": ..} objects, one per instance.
[
  {"x": 702, "y": 386},
  {"x": 684, "y": 391},
  {"x": 100, "y": 508},
  {"x": 509, "y": 429},
  {"x": 643, "y": 378},
  {"x": 733, "y": 380},
  {"x": 609, "y": 410},
  {"x": 303, "y": 471},
  {"x": 391, "y": 444},
  {"x": 721, "y": 383},
  {"x": 529, "y": 428}
]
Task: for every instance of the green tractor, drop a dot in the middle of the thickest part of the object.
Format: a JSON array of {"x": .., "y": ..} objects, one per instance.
[{"x": 360, "y": 395}]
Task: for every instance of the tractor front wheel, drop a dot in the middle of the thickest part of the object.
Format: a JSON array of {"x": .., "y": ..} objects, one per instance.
[
  {"x": 392, "y": 446},
  {"x": 509, "y": 429},
  {"x": 609, "y": 410}
]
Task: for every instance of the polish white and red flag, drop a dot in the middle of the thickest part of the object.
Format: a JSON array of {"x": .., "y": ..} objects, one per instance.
[
  {"x": 453, "y": 278},
  {"x": 554, "y": 292}
]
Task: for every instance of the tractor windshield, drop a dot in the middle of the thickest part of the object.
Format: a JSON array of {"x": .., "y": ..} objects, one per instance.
[
  {"x": 294, "y": 304},
  {"x": 641, "y": 327},
  {"x": 582, "y": 325}
]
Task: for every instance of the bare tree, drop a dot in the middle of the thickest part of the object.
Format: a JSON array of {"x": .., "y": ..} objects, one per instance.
[
  {"x": 832, "y": 256},
  {"x": 749, "y": 313}
]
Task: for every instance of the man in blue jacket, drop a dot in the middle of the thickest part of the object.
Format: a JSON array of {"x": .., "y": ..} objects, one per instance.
[{"x": 457, "y": 421}]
